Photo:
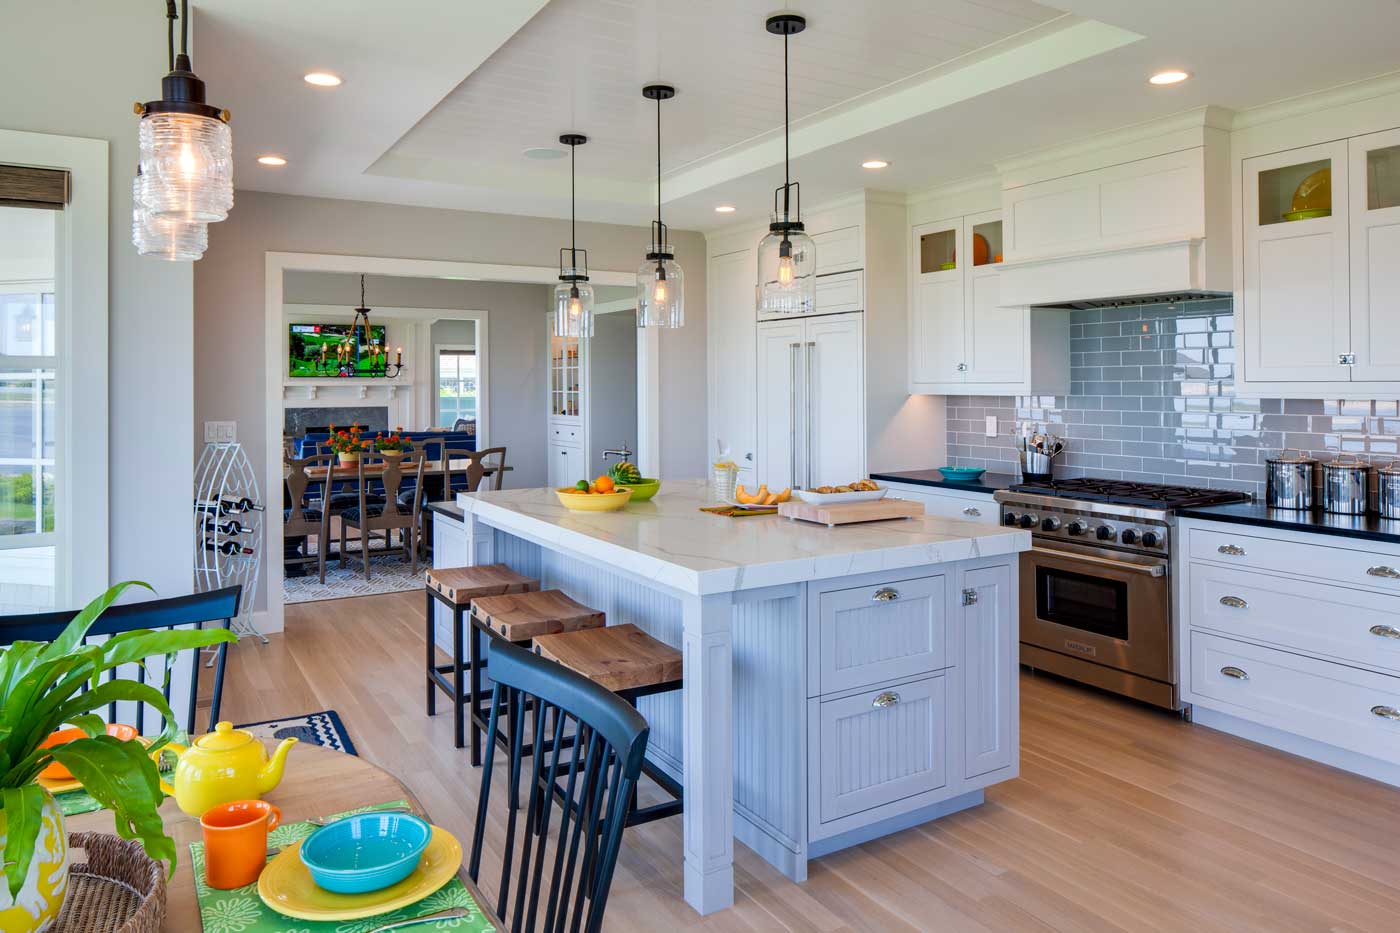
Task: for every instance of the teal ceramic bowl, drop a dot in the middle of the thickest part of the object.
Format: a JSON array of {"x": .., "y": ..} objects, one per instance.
[
  {"x": 961, "y": 474},
  {"x": 642, "y": 491},
  {"x": 365, "y": 852}
]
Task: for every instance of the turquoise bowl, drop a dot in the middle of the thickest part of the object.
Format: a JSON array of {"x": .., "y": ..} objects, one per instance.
[
  {"x": 365, "y": 852},
  {"x": 961, "y": 474}
]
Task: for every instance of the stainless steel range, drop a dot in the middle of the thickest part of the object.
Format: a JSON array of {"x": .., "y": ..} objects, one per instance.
[{"x": 1096, "y": 602}]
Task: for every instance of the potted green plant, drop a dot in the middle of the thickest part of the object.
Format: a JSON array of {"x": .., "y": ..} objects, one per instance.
[
  {"x": 42, "y": 689},
  {"x": 347, "y": 443},
  {"x": 392, "y": 446}
]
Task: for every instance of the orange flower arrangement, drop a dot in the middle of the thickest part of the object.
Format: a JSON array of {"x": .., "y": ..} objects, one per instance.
[{"x": 394, "y": 443}]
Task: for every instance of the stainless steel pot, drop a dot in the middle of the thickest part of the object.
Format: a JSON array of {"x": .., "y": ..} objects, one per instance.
[
  {"x": 1388, "y": 490},
  {"x": 1290, "y": 480},
  {"x": 1346, "y": 485}
]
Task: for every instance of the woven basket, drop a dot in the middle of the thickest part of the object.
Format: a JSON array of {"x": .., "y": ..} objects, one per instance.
[{"x": 119, "y": 889}]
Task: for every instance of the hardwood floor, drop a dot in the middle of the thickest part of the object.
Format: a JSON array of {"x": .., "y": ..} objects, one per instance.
[{"x": 1124, "y": 818}]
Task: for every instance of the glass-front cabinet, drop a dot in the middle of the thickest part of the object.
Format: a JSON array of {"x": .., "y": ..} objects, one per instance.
[
  {"x": 1322, "y": 267},
  {"x": 565, "y": 379}
]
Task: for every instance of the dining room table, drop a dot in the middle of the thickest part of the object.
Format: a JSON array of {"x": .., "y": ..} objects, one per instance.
[{"x": 319, "y": 783}]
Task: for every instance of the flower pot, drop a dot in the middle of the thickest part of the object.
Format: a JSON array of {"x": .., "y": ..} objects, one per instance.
[
  {"x": 392, "y": 454},
  {"x": 40, "y": 899},
  {"x": 349, "y": 459}
]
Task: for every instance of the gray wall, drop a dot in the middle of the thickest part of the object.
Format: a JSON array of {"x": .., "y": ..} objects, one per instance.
[
  {"x": 113, "y": 54},
  {"x": 1152, "y": 397},
  {"x": 612, "y": 387},
  {"x": 230, "y": 318}
]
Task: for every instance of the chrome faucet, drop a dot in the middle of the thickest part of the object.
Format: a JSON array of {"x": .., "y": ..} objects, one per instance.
[{"x": 622, "y": 453}]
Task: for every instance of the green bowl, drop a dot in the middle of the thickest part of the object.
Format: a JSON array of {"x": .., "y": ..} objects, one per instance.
[{"x": 642, "y": 491}]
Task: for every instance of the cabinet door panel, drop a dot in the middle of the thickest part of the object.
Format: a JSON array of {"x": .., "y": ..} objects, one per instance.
[
  {"x": 878, "y": 633},
  {"x": 989, "y": 670},
  {"x": 1375, "y": 255},
  {"x": 834, "y": 358},
  {"x": 566, "y": 465},
  {"x": 996, "y": 337},
  {"x": 1296, "y": 306},
  {"x": 732, "y": 356},
  {"x": 780, "y": 400},
  {"x": 938, "y": 331}
]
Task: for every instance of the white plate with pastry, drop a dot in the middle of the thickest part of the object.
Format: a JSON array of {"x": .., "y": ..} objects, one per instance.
[{"x": 862, "y": 491}]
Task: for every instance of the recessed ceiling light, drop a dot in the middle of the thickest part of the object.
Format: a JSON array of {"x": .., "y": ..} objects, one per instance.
[
  {"x": 1168, "y": 77},
  {"x": 323, "y": 79},
  {"x": 544, "y": 152},
  {"x": 272, "y": 160},
  {"x": 874, "y": 163},
  {"x": 724, "y": 209}
]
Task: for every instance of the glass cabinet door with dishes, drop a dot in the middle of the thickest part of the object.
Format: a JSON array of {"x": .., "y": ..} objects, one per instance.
[
  {"x": 565, "y": 377},
  {"x": 1375, "y": 255}
]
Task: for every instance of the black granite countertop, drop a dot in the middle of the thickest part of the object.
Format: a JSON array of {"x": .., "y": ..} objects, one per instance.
[
  {"x": 448, "y": 508},
  {"x": 987, "y": 483},
  {"x": 1370, "y": 527}
]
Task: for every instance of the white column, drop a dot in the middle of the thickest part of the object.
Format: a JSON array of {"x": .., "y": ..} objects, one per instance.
[{"x": 708, "y": 741}]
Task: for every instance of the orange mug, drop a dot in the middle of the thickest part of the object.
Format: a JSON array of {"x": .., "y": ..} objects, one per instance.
[{"x": 235, "y": 841}]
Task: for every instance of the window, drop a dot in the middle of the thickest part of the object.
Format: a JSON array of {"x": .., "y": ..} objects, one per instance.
[
  {"x": 30, "y": 381},
  {"x": 457, "y": 393}
]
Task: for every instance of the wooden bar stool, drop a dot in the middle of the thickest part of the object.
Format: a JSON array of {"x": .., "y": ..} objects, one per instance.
[
  {"x": 632, "y": 664},
  {"x": 455, "y": 588},
  {"x": 518, "y": 618}
]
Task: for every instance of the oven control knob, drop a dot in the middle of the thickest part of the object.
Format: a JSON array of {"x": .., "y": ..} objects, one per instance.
[
  {"x": 1150, "y": 539},
  {"x": 1009, "y": 519},
  {"x": 1077, "y": 528},
  {"x": 1105, "y": 533},
  {"x": 1027, "y": 521},
  {"x": 1049, "y": 523},
  {"x": 1129, "y": 536}
]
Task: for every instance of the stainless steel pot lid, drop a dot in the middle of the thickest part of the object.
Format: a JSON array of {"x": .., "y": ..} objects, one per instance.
[
  {"x": 1284, "y": 458},
  {"x": 1346, "y": 461},
  {"x": 1391, "y": 467}
]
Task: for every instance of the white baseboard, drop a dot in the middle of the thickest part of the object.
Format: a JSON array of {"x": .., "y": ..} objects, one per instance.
[{"x": 1363, "y": 765}]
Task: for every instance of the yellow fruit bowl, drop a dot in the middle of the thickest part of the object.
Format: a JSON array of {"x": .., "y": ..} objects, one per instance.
[{"x": 576, "y": 501}]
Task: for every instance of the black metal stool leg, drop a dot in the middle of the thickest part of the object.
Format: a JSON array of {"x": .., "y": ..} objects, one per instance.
[
  {"x": 458, "y": 705},
  {"x": 432, "y": 658},
  {"x": 474, "y": 634}
]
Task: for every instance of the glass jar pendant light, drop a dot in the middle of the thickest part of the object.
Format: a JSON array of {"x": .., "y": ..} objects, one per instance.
[
  {"x": 787, "y": 257},
  {"x": 185, "y": 173},
  {"x": 660, "y": 286},
  {"x": 573, "y": 296}
]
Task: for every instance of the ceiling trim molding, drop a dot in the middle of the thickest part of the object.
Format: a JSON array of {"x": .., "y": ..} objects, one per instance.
[
  {"x": 1304, "y": 104},
  {"x": 1063, "y": 41},
  {"x": 972, "y": 184}
]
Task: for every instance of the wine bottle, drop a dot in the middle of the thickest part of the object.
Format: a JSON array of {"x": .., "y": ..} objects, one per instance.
[
  {"x": 228, "y": 505},
  {"x": 226, "y": 547},
  {"x": 230, "y": 527}
]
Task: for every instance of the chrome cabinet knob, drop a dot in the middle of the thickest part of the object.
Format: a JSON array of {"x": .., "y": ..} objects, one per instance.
[
  {"x": 885, "y": 700},
  {"x": 1230, "y": 670},
  {"x": 972, "y": 510}
]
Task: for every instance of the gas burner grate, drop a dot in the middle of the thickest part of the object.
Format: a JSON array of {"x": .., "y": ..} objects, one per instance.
[{"x": 1126, "y": 492}]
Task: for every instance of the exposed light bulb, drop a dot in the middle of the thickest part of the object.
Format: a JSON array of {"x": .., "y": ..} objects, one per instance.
[
  {"x": 188, "y": 164},
  {"x": 785, "y": 270},
  {"x": 575, "y": 307},
  {"x": 658, "y": 292}
]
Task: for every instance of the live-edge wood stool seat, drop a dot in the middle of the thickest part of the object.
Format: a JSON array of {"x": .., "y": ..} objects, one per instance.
[
  {"x": 517, "y": 618},
  {"x": 455, "y": 588},
  {"x": 632, "y": 664}
]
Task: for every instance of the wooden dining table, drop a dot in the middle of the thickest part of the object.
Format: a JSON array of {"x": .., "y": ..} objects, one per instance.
[
  {"x": 318, "y": 782},
  {"x": 349, "y": 471}
]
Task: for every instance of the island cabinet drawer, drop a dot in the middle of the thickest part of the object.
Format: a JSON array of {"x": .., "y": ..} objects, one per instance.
[
  {"x": 875, "y": 748},
  {"x": 1349, "y": 566},
  {"x": 1332, "y": 703},
  {"x": 1358, "y": 626},
  {"x": 870, "y": 634}
]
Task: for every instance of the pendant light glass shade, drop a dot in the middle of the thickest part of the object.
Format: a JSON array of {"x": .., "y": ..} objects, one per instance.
[
  {"x": 186, "y": 166},
  {"x": 787, "y": 272},
  {"x": 573, "y": 308},
  {"x": 660, "y": 282},
  {"x": 172, "y": 240}
]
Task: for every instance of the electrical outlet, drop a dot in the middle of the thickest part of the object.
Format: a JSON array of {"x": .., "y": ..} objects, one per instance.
[
  {"x": 991, "y": 426},
  {"x": 220, "y": 432}
]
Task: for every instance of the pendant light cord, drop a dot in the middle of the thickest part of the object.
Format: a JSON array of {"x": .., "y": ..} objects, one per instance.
[
  {"x": 573, "y": 211},
  {"x": 787, "y": 133},
  {"x": 170, "y": 16},
  {"x": 658, "y": 170},
  {"x": 185, "y": 28}
]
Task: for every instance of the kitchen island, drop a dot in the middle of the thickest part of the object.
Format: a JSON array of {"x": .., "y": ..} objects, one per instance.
[{"x": 840, "y": 683}]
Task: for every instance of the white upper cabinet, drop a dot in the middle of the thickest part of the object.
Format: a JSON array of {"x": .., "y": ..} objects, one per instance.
[
  {"x": 960, "y": 338},
  {"x": 839, "y": 250},
  {"x": 1319, "y": 306},
  {"x": 1375, "y": 255}
]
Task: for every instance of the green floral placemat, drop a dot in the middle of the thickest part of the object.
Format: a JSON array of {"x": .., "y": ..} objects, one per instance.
[{"x": 240, "y": 910}]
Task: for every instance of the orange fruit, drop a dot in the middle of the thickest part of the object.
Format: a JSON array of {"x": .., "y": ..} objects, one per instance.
[{"x": 604, "y": 484}]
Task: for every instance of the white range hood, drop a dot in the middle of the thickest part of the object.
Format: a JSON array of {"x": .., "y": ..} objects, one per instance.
[{"x": 1082, "y": 231}]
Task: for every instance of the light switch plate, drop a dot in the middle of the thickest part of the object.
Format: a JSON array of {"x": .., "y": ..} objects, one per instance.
[
  {"x": 220, "y": 432},
  {"x": 991, "y": 426}
]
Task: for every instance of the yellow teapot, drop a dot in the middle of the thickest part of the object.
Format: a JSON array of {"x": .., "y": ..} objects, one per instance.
[{"x": 227, "y": 764}]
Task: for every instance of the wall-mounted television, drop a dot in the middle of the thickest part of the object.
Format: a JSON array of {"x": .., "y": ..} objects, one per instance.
[{"x": 321, "y": 351}]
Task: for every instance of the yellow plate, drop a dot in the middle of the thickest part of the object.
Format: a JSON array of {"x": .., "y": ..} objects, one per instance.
[
  {"x": 593, "y": 502},
  {"x": 286, "y": 886}
]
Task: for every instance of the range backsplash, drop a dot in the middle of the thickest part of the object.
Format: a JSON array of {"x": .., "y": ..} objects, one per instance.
[{"x": 1152, "y": 397}]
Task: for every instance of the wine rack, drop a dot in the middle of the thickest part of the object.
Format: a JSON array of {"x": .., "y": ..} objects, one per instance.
[{"x": 228, "y": 528}]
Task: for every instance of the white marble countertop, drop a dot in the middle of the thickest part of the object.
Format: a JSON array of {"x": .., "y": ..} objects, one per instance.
[{"x": 670, "y": 541}]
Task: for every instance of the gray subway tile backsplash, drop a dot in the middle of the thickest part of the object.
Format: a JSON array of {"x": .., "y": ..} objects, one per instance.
[{"x": 1153, "y": 399}]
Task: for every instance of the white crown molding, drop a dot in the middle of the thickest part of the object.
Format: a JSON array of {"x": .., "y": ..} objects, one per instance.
[
  {"x": 1186, "y": 122},
  {"x": 1315, "y": 101},
  {"x": 972, "y": 183}
]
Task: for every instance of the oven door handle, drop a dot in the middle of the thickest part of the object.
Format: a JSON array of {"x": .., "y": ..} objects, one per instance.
[{"x": 1152, "y": 570}]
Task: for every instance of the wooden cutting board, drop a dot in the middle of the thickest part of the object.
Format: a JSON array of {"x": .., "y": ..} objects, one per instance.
[{"x": 846, "y": 513}]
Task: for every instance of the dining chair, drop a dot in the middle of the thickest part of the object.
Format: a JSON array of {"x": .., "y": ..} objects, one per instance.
[
  {"x": 389, "y": 513},
  {"x": 300, "y": 517},
  {"x": 219, "y": 607},
  {"x": 591, "y": 779}
]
